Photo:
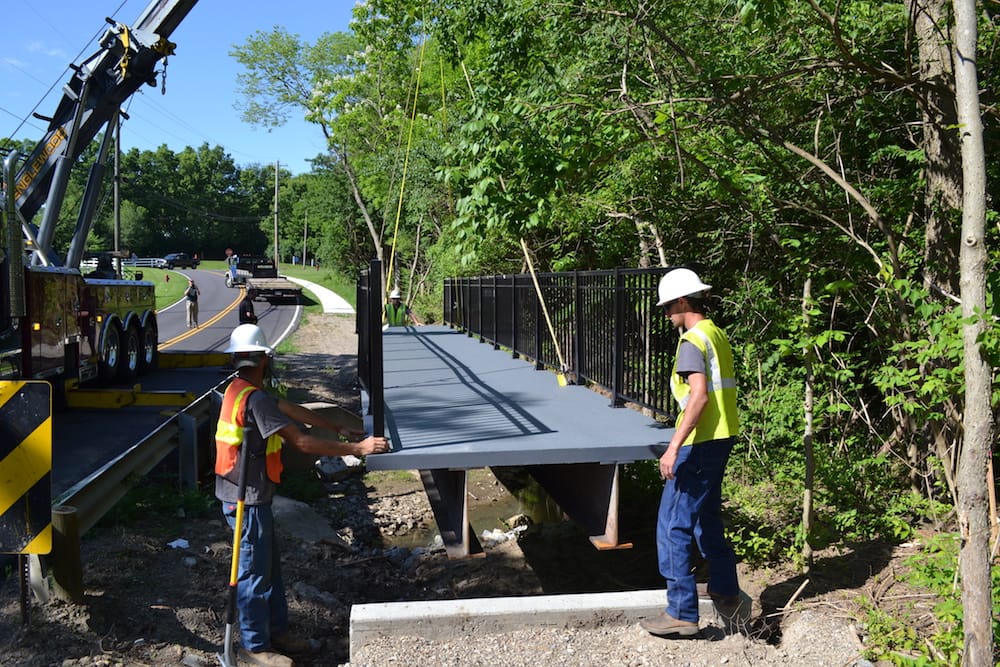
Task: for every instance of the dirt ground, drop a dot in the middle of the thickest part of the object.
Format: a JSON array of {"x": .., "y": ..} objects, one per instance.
[{"x": 147, "y": 603}]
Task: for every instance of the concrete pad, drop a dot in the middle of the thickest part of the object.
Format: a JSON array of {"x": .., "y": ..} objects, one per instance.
[{"x": 445, "y": 619}]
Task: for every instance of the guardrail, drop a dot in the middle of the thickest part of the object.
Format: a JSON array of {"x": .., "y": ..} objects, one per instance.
[{"x": 78, "y": 509}]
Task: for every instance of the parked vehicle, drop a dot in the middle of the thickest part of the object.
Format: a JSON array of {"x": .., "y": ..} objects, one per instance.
[
  {"x": 180, "y": 260},
  {"x": 260, "y": 275}
]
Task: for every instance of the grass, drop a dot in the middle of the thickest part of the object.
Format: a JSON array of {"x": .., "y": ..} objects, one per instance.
[{"x": 172, "y": 290}]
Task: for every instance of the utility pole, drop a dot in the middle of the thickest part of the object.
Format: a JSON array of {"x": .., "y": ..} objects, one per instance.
[
  {"x": 276, "y": 255},
  {"x": 305, "y": 237}
]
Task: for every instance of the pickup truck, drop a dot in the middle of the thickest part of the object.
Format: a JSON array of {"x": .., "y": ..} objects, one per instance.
[
  {"x": 259, "y": 273},
  {"x": 179, "y": 260}
]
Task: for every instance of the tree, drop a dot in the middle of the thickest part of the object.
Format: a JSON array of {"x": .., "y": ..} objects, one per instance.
[{"x": 973, "y": 514}]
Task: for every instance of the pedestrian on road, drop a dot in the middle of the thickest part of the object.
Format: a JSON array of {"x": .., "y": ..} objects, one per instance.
[
  {"x": 703, "y": 383},
  {"x": 254, "y": 423},
  {"x": 191, "y": 295},
  {"x": 247, "y": 315},
  {"x": 398, "y": 314}
]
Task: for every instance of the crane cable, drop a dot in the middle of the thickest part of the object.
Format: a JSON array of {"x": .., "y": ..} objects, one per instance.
[{"x": 406, "y": 160}]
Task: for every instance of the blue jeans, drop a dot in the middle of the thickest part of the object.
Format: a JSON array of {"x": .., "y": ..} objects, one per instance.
[
  {"x": 260, "y": 592},
  {"x": 691, "y": 513}
]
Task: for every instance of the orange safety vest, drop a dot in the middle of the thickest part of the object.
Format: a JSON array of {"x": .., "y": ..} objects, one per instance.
[{"x": 229, "y": 432}]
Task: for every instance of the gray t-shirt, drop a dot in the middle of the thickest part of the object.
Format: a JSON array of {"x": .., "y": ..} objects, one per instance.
[
  {"x": 689, "y": 359},
  {"x": 263, "y": 418}
]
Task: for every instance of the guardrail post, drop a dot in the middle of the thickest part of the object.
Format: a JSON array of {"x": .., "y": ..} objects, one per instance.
[
  {"x": 67, "y": 565},
  {"x": 187, "y": 451}
]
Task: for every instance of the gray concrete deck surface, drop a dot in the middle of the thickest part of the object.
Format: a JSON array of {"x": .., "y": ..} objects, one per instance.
[{"x": 453, "y": 402}]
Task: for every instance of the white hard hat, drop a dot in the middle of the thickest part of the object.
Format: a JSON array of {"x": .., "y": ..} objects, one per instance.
[
  {"x": 248, "y": 338},
  {"x": 678, "y": 283},
  {"x": 394, "y": 294}
]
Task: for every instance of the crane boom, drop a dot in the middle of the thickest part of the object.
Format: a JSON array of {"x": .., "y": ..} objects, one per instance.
[{"x": 127, "y": 58}]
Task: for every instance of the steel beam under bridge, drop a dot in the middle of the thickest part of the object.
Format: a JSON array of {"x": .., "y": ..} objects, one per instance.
[{"x": 453, "y": 404}]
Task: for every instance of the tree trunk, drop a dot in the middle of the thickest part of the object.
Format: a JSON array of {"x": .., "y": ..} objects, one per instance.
[
  {"x": 942, "y": 195},
  {"x": 973, "y": 515},
  {"x": 807, "y": 435}
]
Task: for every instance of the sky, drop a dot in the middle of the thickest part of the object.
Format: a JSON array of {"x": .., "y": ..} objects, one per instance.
[{"x": 41, "y": 38}]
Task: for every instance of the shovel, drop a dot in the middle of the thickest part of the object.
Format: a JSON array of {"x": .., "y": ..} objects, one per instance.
[{"x": 226, "y": 658}]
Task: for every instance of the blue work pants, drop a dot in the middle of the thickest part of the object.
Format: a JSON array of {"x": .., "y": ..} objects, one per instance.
[
  {"x": 691, "y": 513},
  {"x": 260, "y": 592}
]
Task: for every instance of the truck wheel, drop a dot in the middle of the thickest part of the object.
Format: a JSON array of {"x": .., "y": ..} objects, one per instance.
[
  {"x": 128, "y": 360},
  {"x": 107, "y": 367},
  {"x": 149, "y": 341}
]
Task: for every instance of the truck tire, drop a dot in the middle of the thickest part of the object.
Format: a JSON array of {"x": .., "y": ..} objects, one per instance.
[
  {"x": 149, "y": 342},
  {"x": 109, "y": 353},
  {"x": 131, "y": 352}
]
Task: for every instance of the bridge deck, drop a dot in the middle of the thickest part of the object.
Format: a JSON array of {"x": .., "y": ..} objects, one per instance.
[{"x": 453, "y": 402}]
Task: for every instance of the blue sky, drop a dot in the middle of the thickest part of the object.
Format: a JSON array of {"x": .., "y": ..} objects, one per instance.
[{"x": 41, "y": 37}]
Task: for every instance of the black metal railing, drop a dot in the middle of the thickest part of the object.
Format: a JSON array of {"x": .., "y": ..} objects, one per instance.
[
  {"x": 608, "y": 329},
  {"x": 369, "y": 325}
]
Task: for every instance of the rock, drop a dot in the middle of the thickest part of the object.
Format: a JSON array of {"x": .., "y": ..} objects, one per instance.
[
  {"x": 301, "y": 521},
  {"x": 337, "y": 468},
  {"x": 310, "y": 592}
]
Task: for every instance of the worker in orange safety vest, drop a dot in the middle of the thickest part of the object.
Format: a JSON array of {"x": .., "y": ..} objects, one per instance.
[{"x": 254, "y": 423}]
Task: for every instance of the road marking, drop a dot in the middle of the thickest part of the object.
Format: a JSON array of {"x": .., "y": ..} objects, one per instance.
[{"x": 190, "y": 332}]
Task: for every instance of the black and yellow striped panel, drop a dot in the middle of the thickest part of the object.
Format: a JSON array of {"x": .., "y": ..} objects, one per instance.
[{"x": 25, "y": 467}]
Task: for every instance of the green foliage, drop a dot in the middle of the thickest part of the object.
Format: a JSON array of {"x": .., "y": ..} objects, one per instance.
[
  {"x": 934, "y": 569},
  {"x": 303, "y": 486},
  {"x": 162, "y": 500}
]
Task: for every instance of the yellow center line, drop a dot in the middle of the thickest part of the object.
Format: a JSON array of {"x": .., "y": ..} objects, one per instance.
[{"x": 190, "y": 332}]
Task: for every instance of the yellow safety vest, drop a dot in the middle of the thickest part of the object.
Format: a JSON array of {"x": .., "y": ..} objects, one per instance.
[
  {"x": 231, "y": 428},
  {"x": 396, "y": 317},
  {"x": 719, "y": 418}
]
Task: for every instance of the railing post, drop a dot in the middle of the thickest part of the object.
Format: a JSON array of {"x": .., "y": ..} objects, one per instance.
[
  {"x": 515, "y": 328},
  {"x": 578, "y": 337},
  {"x": 376, "y": 399},
  {"x": 496, "y": 297},
  {"x": 479, "y": 292},
  {"x": 538, "y": 331},
  {"x": 618, "y": 351}
]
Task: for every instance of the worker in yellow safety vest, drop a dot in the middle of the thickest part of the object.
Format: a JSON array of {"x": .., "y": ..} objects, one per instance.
[
  {"x": 703, "y": 383},
  {"x": 256, "y": 424},
  {"x": 398, "y": 314}
]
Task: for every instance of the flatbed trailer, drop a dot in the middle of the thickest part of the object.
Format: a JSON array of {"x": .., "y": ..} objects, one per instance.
[{"x": 260, "y": 274}]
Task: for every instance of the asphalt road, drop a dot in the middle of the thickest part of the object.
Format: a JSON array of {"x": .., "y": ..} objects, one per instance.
[
  {"x": 84, "y": 440},
  {"x": 217, "y": 316}
]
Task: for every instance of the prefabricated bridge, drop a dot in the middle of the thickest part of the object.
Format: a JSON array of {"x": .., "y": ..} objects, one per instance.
[{"x": 452, "y": 403}]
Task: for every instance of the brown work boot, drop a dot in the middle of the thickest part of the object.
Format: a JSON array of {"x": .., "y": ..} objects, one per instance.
[
  {"x": 289, "y": 643},
  {"x": 265, "y": 658},
  {"x": 666, "y": 625}
]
